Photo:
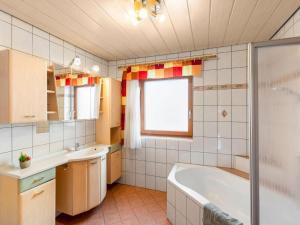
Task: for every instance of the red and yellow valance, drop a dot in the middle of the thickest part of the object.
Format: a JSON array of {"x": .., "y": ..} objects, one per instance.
[
  {"x": 76, "y": 80},
  {"x": 157, "y": 71},
  {"x": 163, "y": 70}
]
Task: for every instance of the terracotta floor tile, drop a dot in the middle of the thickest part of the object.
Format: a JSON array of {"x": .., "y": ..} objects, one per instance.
[{"x": 124, "y": 205}]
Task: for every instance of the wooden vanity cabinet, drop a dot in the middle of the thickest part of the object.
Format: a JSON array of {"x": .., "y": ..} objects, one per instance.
[
  {"x": 37, "y": 206},
  {"x": 23, "y": 87},
  {"x": 29, "y": 200},
  {"x": 94, "y": 173},
  {"x": 114, "y": 166},
  {"x": 78, "y": 186}
]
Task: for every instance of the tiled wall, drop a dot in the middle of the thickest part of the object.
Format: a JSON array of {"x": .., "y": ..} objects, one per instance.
[
  {"x": 14, "y": 138},
  {"x": 291, "y": 28},
  {"x": 24, "y": 37},
  {"x": 216, "y": 139}
]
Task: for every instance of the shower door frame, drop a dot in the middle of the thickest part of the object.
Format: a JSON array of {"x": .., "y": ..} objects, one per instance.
[{"x": 253, "y": 105}]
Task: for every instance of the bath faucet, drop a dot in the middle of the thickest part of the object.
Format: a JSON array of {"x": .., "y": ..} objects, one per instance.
[{"x": 77, "y": 145}]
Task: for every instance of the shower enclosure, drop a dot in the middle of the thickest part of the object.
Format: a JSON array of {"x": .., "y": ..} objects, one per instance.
[{"x": 275, "y": 132}]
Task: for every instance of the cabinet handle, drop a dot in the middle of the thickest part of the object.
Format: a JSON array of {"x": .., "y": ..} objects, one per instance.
[
  {"x": 38, "y": 193},
  {"x": 37, "y": 180},
  {"x": 95, "y": 162},
  {"x": 29, "y": 116}
]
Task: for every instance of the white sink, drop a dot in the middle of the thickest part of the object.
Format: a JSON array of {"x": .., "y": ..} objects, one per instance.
[{"x": 87, "y": 153}]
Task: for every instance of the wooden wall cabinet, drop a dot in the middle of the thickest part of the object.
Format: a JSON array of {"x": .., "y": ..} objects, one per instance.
[
  {"x": 23, "y": 87},
  {"x": 78, "y": 186},
  {"x": 108, "y": 126}
]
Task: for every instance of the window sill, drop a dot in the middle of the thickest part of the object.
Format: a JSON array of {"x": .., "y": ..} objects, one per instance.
[{"x": 168, "y": 138}]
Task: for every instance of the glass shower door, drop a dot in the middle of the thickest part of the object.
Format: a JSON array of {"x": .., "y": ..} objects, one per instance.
[{"x": 276, "y": 133}]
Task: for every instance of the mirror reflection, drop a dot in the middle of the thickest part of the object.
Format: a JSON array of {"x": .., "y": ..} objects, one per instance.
[{"x": 77, "y": 94}]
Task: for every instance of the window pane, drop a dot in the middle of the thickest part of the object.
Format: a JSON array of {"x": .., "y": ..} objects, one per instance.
[{"x": 166, "y": 105}]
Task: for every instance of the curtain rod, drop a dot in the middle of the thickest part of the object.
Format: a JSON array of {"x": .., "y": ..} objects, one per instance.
[{"x": 204, "y": 58}]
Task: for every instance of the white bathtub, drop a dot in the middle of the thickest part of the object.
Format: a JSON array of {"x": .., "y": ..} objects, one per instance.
[{"x": 190, "y": 187}]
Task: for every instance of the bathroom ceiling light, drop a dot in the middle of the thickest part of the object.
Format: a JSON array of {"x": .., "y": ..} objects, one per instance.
[
  {"x": 76, "y": 61},
  {"x": 143, "y": 8},
  {"x": 96, "y": 68}
]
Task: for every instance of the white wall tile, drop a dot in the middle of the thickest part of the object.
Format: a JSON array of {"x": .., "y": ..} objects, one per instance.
[
  {"x": 197, "y": 158},
  {"x": 150, "y": 182},
  {"x": 210, "y": 65},
  {"x": 140, "y": 180},
  {"x": 80, "y": 128},
  {"x": 160, "y": 170},
  {"x": 140, "y": 167},
  {"x": 160, "y": 184},
  {"x": 210, "y": 144},
  {"x": 39, "y": 138},
  {"x": 198, "y": 113},
  {"x": 69, "y": 130},
  {"x": 41, "y": 47},
  {"x": 5, "y": 158},
  {"x": 21, "y": 40},
  {"x": 22, "y": 137},
  {"x": 224, "y": 113},
  {"x": 150, "y": 168},
  {"x": 210, "y": 113},
  {"x": 56, "y": 132},
  {"x": 198, "y": 98},
  {"x": 239, "y": 59},
  {"x": 57, "y": 146},
  {"x": 5, "y": 140},
  {"x": 193, "y": 212},
  {"x": 150, "y": 154},
  {"x": 210, "y": 97},
  {"x": 171, "y": 212},
  {"x": 239, "y": 130},
  {"x": 171, "y": 194},
  {"x": 224, "y": 60},
  {"x": 210, "y": 77},
  {"x": 224, "y": 145},
  {"x": 239, "y": 113},
  {"x": 239, "y": 75},
  {"x": 172, "y": 144},
  {"x": 21, "y": 24},
  {"x": 5, "y": 34},
  {"x": 161, "y": 155},
  {"x": 56, "y": 53},
  {"x": 224, "y": 76},
  {"x": 224, "y": 97},
  {"x": 172, "y": 156},
  {"x": 5, "y": 17},
  {"x": 239, "y": 97},
  {"x": 224, "y": 160},
  {"x": 210, "y": 129},
  {"x": 210, "y": 159},
  {"x": 184, "y": 156},
  {"x": 40, "y": 150},
  {"x": 180, "y": 200},
  {"x": 224, "y": 129},
  {"x": 41, "y": 33},
  {"x": 239, "y": 146}
]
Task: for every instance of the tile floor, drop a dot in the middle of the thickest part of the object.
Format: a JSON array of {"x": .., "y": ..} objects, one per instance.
[{"x": 124, "y": 205}]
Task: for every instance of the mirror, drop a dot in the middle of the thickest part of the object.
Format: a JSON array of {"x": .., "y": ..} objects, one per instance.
[{"x": 77, "y": 94}]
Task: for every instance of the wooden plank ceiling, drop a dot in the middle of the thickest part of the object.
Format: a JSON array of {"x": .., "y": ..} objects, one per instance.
[{"x": 104, "y": 28}]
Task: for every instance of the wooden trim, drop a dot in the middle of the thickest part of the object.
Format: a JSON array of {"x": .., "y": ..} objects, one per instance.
[
  {"x": 203, "y": 58},
  {"x": 187, "y": 134}
]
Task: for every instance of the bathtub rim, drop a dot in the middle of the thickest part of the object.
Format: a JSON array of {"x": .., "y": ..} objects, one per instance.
[{"x": 198, "y": 198}]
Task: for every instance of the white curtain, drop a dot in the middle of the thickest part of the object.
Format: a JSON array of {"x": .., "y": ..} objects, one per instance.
[{"x": 132, "y": 132}]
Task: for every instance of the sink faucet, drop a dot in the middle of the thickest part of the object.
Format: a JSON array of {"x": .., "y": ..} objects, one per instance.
[{"x": 77, "y": 145}]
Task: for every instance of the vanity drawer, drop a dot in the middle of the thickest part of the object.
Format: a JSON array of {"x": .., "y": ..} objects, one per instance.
[{"x": 36, "y": 179}]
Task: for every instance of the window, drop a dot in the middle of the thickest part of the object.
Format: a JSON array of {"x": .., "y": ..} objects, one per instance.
[{"x": 166, "y": 107}]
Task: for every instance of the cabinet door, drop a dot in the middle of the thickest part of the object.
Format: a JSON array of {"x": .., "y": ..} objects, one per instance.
[
  {"x": 115, "y": 166},
  {"x": 80, "y": 188},
  {"x": 64, "y": 189},
  {"x": 28, "y": 88},
  {"x": 37, "y": 206},
  {"x": 115, "y": 103},
  {"x": 103, "y": 178},
  {"x": 94, "y": 182}
]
